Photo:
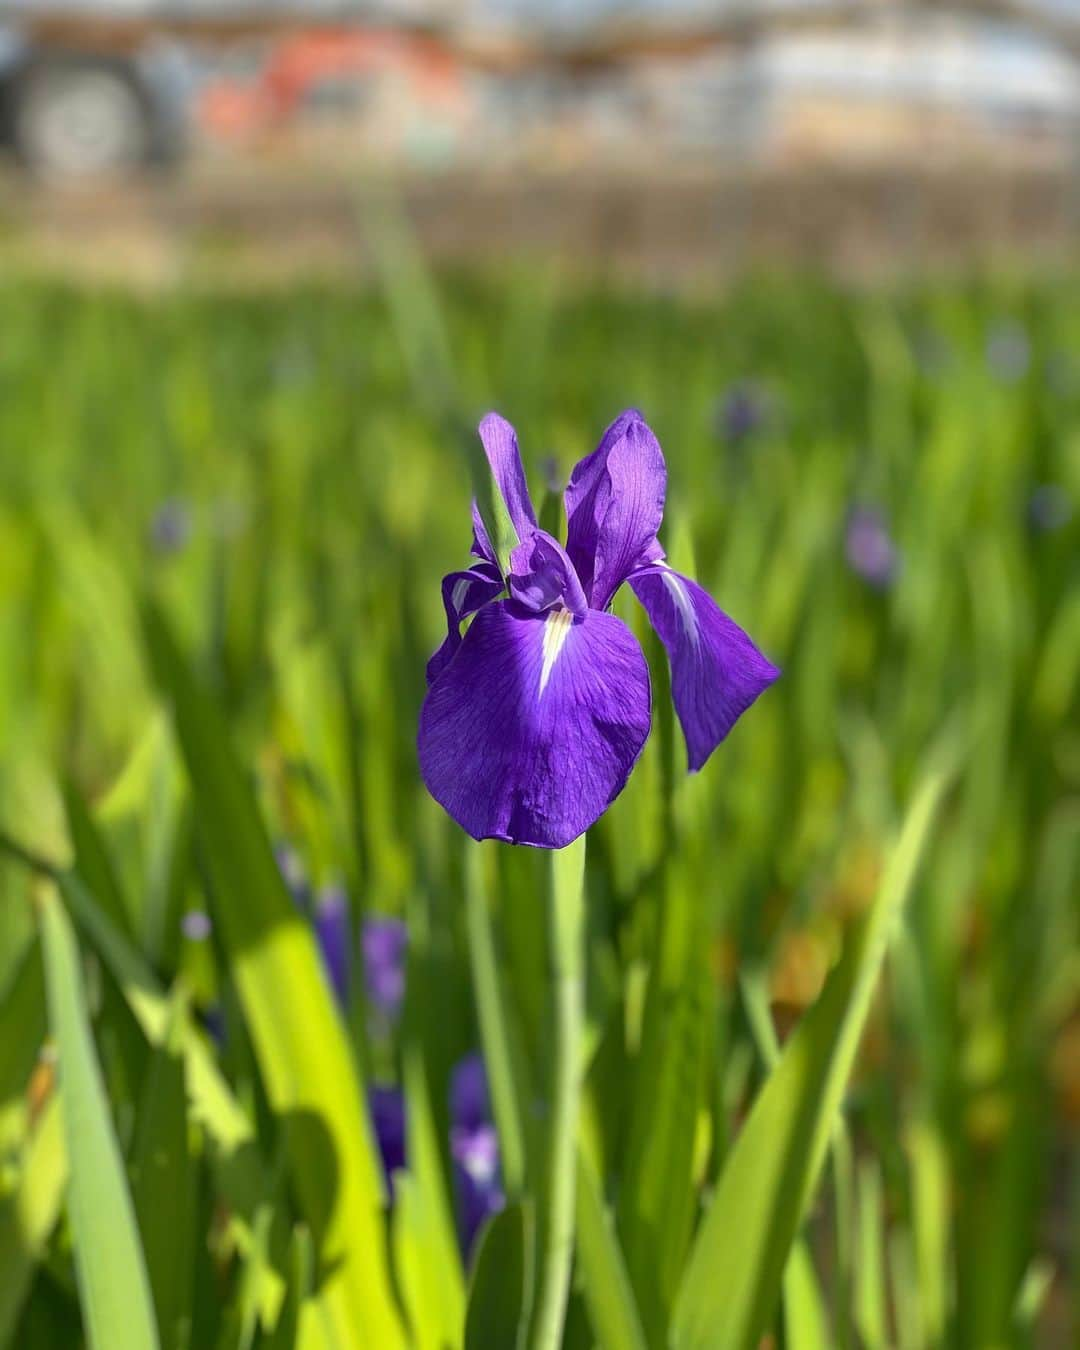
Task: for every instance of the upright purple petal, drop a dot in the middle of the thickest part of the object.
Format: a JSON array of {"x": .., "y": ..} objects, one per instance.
[
  {"x": 716, "y": 671},
  {"x": 544, "y": 576},
  {"x": 501, "y": 447},
  {"x": 384, "y": 944},
  {"x": 614, "y": 506},
  {"x": 481, "y": 545},
  {"x": 334, "y": 933},
  {"x": 463, "y": 594},
  {"x": 470, "y": 1101},
  {"x": 532, "y": 730}
]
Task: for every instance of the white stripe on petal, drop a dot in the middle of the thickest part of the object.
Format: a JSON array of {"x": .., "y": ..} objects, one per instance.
[
  {"x": 460, "y": 591},
  {"x": 683, "y": 603},
  {"x": 557, "y": 627}
]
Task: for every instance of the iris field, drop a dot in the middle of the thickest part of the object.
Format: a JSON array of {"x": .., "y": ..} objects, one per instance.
[{"x": 277, "y": 1040}]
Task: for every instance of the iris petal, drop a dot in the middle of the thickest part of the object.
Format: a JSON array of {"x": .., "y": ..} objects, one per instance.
[
  {"x": 501, "y": 447},
  {"x": 528, "y": 737},
  {"x": 463, "y": 594},
  {"x": 614, "y": 506},
  {"x": 716, "y": 671},
  {"x": 542, "y": 575}
]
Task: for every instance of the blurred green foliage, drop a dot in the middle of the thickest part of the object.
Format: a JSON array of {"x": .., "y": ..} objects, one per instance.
[{"x": 278, "y": 472}]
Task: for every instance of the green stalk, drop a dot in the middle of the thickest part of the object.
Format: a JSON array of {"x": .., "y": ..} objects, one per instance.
[{"x": 566, "y": 914}]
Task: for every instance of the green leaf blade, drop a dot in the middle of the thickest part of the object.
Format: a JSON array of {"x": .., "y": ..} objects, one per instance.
[{"x": 114, "y": 1289}]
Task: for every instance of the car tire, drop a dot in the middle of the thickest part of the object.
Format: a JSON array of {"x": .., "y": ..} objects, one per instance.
[{"x": 80, "y": 119}]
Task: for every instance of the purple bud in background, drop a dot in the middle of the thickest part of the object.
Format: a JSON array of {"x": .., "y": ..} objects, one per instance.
[
  {"x": 333, "y": 930},
  {"x": 742, "y": 411},
  {"x": 1049, "y": 508},
  {"x": 870, "y": 550},
  {"x": 170, "y": 528},
  {"x": 384, "y": 943},
  {"x": 1008, "y": 351},
  {"x": 474, "y": 1147},
  {"x": 387, "y": 1106},
  {"x": 196, "y": 926}
]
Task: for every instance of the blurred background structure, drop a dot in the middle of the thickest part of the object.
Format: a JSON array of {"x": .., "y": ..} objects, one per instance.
[{"x": 666, "y": 135}]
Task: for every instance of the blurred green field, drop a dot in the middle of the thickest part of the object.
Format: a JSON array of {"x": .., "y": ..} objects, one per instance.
[{"x": 279, "y": 472}]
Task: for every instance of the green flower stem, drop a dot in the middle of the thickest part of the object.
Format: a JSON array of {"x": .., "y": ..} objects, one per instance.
[{"x": 566, "y": 914}]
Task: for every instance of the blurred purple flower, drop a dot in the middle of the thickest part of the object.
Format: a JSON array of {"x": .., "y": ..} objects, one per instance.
[
  {"x": 170, "y": 529},
  {"x": 196, "y": 925},
  {"x": 870, "y": 550},
  {"x": 1008, "y": 351},
  {"x": 474, "y": 1147},
  {"x": 534, "y": 719},
  {"x": 334, "y": 933},
  {"x": 387, "y": 1106},
  {"x": 384, "y": 943},
  {"x": 742, "y": 411},
  {"x": 1049, "y": 508}
]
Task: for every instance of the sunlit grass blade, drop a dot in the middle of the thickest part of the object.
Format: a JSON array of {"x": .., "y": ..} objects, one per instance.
[
  {"x": 555, "y": 1229},
  {"x": 311, "y": 1076},
  {"x": 732, "y": 1283},
  {"x": 163, "y": 1185},
  {"x": 22, "y": 1028},
  {"x": 609, "y": 1298},
  {"x": 504, "y": 1062},
  {"x": 113, "y": 1286},
  {"x": 428, "y": 1263},
  {"x": 296, "y": 1314},
  {"x": 499, "y": 1292},
  {"x": 806, "y": 1326},
  {"x": 657, "y": 1194},
  {"x": 29, "y": 1214}
]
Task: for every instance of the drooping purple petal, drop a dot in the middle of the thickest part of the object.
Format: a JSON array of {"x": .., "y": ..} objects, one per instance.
[
  {"x": 542, "y": 576},
  {"x": 384, "y": 943},
  {"x": 334, "y": 935},
  {"x": 614, "y": 506},
  {"x": 532, "y": 730},
  {"x": 716, "y": 671},
  {"x": 463, "y": 594},
  {"x": 501, "y": 447}
]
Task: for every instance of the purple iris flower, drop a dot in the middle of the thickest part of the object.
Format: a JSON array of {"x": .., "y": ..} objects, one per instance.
[
  {"x": 534, "y": 719},
  {"x": 869, "y": 547},
  {"x": 334, "y": 934},
  {"x": 474, "y": 1146},
  {"x": 384, "y": 942}
]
